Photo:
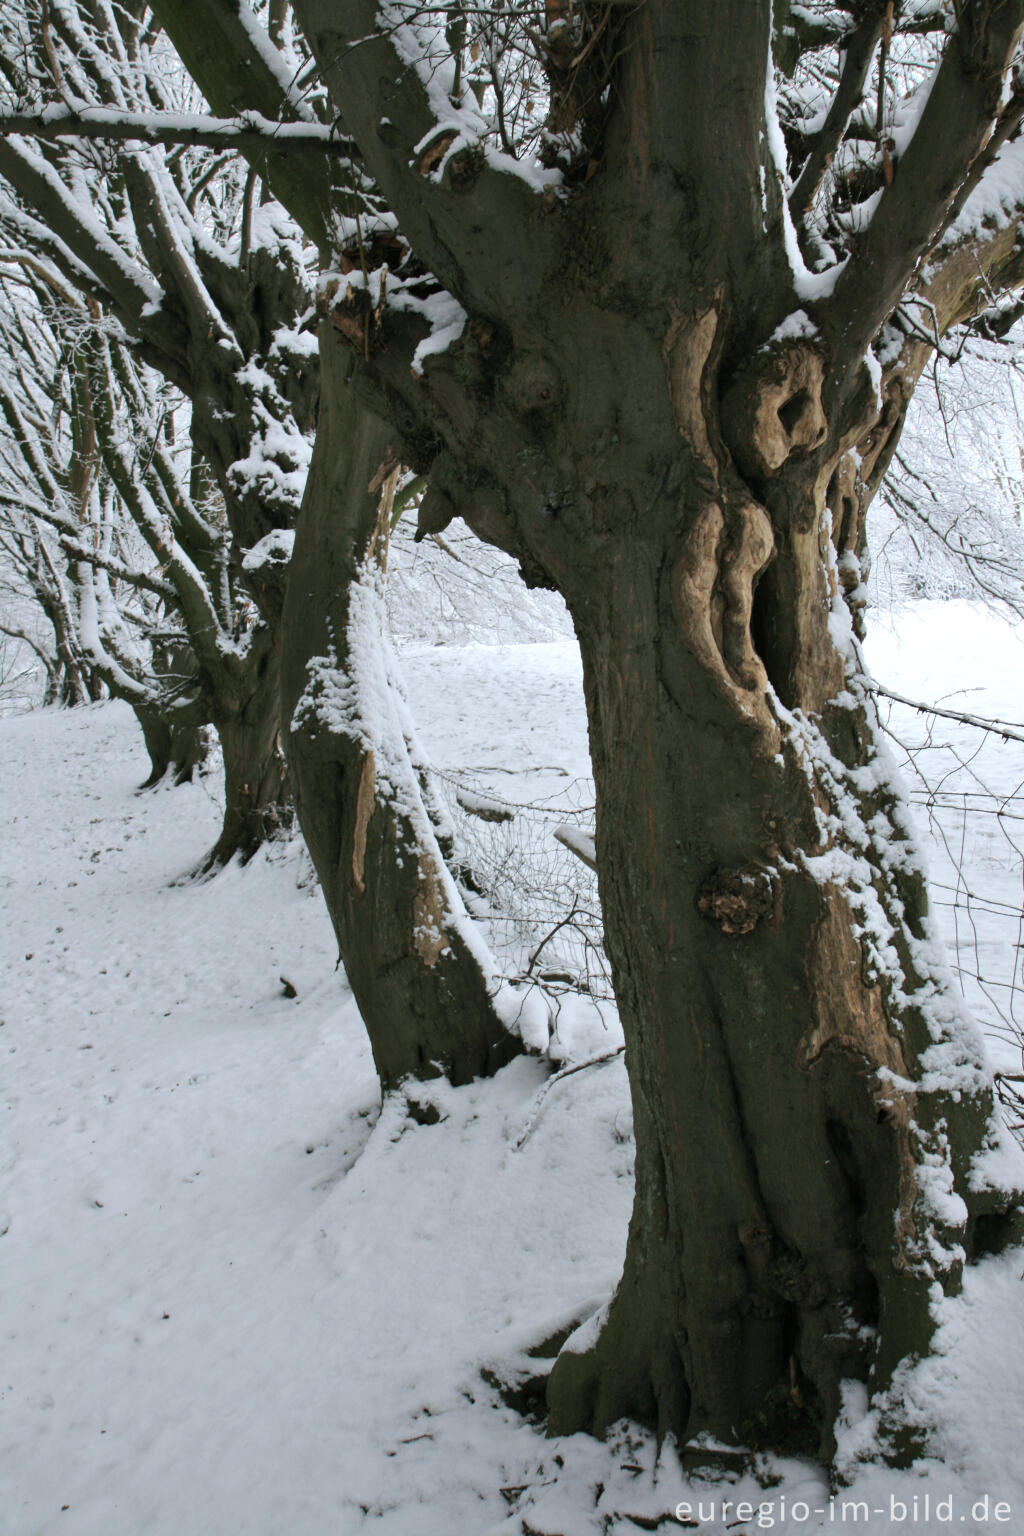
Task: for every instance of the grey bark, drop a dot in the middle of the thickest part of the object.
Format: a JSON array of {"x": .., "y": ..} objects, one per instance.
[
  {"x": 618, "y": 415},
  {"x": 401, "y": 928}
]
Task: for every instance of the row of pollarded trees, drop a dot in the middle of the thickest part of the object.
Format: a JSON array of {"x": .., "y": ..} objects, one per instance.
[
  {"x": 101, "y": 516},
  {"x": 214, "y": 295},
  {"x": 643, "y": 291},
  {"x": 178, "y": 281}
]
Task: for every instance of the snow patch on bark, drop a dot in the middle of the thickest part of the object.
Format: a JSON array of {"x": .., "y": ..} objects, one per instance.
[
  {"x": 365, "y": 701},
  {"x": 275, "y": 548}
]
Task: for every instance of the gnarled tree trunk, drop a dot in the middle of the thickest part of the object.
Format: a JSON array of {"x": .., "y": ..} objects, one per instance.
[
  {"x": 661, "y": 372},
  {"x": 418, "y": 969},
  {"x": 807, "y": 1099},
  {"x": 812, "y": 1108}
]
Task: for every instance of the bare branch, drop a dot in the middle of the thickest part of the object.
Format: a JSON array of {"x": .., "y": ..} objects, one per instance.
[
  {"x": 858, "y": 53},
  {"x": 140, "y": 579},
  {"x": 1008, "y": 730},
  {"x": 248, "y": 133},
  {"x": 955, "y": 124}
]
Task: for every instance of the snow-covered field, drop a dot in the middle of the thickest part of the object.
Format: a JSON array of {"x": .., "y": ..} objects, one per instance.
[{"x": 237, "y": 1298}]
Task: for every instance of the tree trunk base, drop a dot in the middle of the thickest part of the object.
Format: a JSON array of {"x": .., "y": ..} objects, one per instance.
[
  {"x": 636, "y": 1360},
  {"x": 179, "y": 750},
  {"x": 243, "y": 835}
]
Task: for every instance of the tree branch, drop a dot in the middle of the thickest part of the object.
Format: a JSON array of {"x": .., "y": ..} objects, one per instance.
[
  {"x": 145, "y": 583},
  {"x": 955, "y": 123},
  {"x": 1009, "y": 730},
  {"x": 856, "y": 62},
  {"x": 75, "y": 226},
  {"x": 490, "y": 260},
  {"x": 248, "y": 133},
  {"x": 217, "y": 43}
]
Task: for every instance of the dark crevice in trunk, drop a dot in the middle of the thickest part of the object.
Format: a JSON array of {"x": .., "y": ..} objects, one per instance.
[
  {"x": 867, "y": 1304},
  {"x": 764, "y": 631}
]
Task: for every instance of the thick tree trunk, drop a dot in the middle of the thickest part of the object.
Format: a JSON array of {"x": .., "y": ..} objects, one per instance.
[
  {"x": 245, "y": 713},
  {"x": 812, "y": 1109},
  {"x": 175, "y": 750},
  {"x": 417, "y": 967},
  {"x": 808, "y": 1100},
  {"x": 656, "y": 381},
  {"x": 190, "y": 748},
  {"x": 156, "y": 733}
]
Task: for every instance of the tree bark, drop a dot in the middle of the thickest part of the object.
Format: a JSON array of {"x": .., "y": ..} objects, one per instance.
[
  {"x": 245, "y": 713},
  {"x": 802, "y": 1172},
  {"x": 812, "y": 1110},
  {"x": 418, "y": 969},
  {"x": 69, "y": 683},
  {"x": 156, "y": 733},
  {"x": 647, "y": 404},
  {"x": 175, "y": 750}
]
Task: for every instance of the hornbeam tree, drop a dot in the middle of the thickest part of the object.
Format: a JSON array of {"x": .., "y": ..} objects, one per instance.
[
  {"x": 220, "y": 312},
  {"x": 207, "y": 286},
  {"x": 420, "y": 974},
  {"x": 644, "y": 290},
  {"x": 59, "y": 526},
  {"x": 138, "y": 581}
]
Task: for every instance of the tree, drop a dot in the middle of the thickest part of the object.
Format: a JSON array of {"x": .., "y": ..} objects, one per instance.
[
  {"x": 67, "y": 532},
  {"x": 27, "y": 471},
  {"x": 141, "y": 583},
  {"x": 420, "y": 973},
  {"x": 656, "y": 338},
  {"x": 180, "y": 262},
  {"x": 207, "y": 288}
]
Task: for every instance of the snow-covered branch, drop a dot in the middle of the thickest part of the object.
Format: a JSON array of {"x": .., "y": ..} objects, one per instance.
[{"x": 248, "y": 133}]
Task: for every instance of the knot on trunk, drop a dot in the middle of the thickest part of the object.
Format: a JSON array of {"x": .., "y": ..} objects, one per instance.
[
  {"x": 713, "y": 583},
  {"x": 737, "y": 899},
  {"x": 463, "y": 170},
  {"x": 444, "y": 497},
  {"x": 434, "y": 150},
  {"x": 533, "y": 385},
  {"x": 686, "y": 351},
  {"x": 775, "y": 409}
]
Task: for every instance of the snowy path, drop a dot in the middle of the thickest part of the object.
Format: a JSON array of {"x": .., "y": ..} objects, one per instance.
[
  {"x": 231, "y": 1302},
  {"x": 218, "y": 1317}
]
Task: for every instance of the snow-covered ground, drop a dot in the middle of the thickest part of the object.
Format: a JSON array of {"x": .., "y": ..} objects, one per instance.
[
  {"x": 235, "y": 1298},
  {"x": 968, "y": 788}
]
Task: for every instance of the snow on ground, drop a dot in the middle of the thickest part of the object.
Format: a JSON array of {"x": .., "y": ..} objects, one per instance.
[
  {"x": 512, "y": 711},
  {"x": 234, "y": 1299},
  {"x": 967, "y": 786}
]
